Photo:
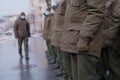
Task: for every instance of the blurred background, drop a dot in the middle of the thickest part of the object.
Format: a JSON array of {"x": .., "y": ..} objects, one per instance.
[
  {"x": 34, "y": 9},
  {"x": 12, "y": 67}
]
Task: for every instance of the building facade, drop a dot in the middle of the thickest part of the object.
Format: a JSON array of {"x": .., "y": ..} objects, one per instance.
[{"x": 37, "y": 8}]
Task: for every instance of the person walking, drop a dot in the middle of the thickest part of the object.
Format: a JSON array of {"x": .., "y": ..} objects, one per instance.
[{"x": 22, "y": 32}]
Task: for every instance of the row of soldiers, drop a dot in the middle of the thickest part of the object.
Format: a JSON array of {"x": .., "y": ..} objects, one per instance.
[{"x": 83, "y": 39}]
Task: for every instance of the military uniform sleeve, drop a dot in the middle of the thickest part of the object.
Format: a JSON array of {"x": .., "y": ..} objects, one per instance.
[
  {"x": 28, "y": 27},
  {"x": 94, "y": 18},
  {"x": 16, "y": 29},
  {"x": 92, "y": 23},
  {"x": 113, "y": 30}
]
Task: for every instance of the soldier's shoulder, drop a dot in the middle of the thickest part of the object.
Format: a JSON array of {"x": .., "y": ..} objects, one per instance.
[
  {"x": 18, "y": 19},
  {"x": 27, "y": 21}
]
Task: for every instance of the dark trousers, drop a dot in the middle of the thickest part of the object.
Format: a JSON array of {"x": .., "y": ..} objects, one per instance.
[
  {"x": 48, "y": 45},
  {"x": 20, "y": 42},
  {"x": 114, "y": 63},
  {"x": 104, "y": 68},
  {"x": 58, "y": 57},
  {"x": 74, "y": 66},
  {"x": 87, "y": 66},
  {"x": 66, "y": 64},
  {"x": 84, "y": 67}
]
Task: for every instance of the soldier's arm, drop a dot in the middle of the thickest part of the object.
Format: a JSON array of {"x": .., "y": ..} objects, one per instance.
[
  {"x": 113, "y": 30},
  {"x": 112, "y": 33},
  {"x": 94, "y": 18},
  {"x": 28, "y": 27},
  {"x": 16, "y": 29},
  {"x": 92, "y": 23}
]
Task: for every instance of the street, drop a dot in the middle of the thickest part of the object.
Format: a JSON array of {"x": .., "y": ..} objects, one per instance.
[{"x": 14, "y": 68}]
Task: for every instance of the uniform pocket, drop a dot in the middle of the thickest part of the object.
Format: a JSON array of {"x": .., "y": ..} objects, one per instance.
[
  {"x": 56, "y": 36},
  {"x": 73, "y": 36}
]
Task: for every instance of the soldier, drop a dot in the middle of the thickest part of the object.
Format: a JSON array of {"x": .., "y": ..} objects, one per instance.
[
  {"x": 52, "y": 22},
  {"x": 49, "y": 31},
  {"x": 57, "y": 32},
  {"x": 112, "y": 39},
  {"x": 22, "y": 32},
  {"x": 46, "y": 31},
  {"x": 66, "y": 58},
  {"x": 82, "y": 38},
  {"x": 54, "y": 50},
  {"x": 108, "y": 23}
]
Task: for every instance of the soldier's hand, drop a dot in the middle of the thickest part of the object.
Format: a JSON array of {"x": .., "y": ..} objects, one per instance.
[
  {"x": 29, "y": 35},
  {"x": 82, "y": 45},
  {"x": 16, "y": 37}
]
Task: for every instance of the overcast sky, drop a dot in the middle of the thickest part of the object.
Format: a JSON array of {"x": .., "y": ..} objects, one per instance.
[{"x": 13, "y": 7}]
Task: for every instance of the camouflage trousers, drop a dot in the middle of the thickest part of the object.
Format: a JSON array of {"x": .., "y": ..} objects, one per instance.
[{"x": 20, "y": 42}]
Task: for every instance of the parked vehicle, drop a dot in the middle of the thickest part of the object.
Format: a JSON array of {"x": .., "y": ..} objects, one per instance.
[{"x": 9, "y": 32}]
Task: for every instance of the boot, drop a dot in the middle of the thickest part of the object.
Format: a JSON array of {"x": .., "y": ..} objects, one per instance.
[
  {"x": 58, "y": 72},
  {"x": 48, "y": 56},
  {"x": 52, "y": 61},
  {"x": 27, "y": 58},
  {"x": 56, "y": 66},
  {"x": 20, "y": 53}
]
